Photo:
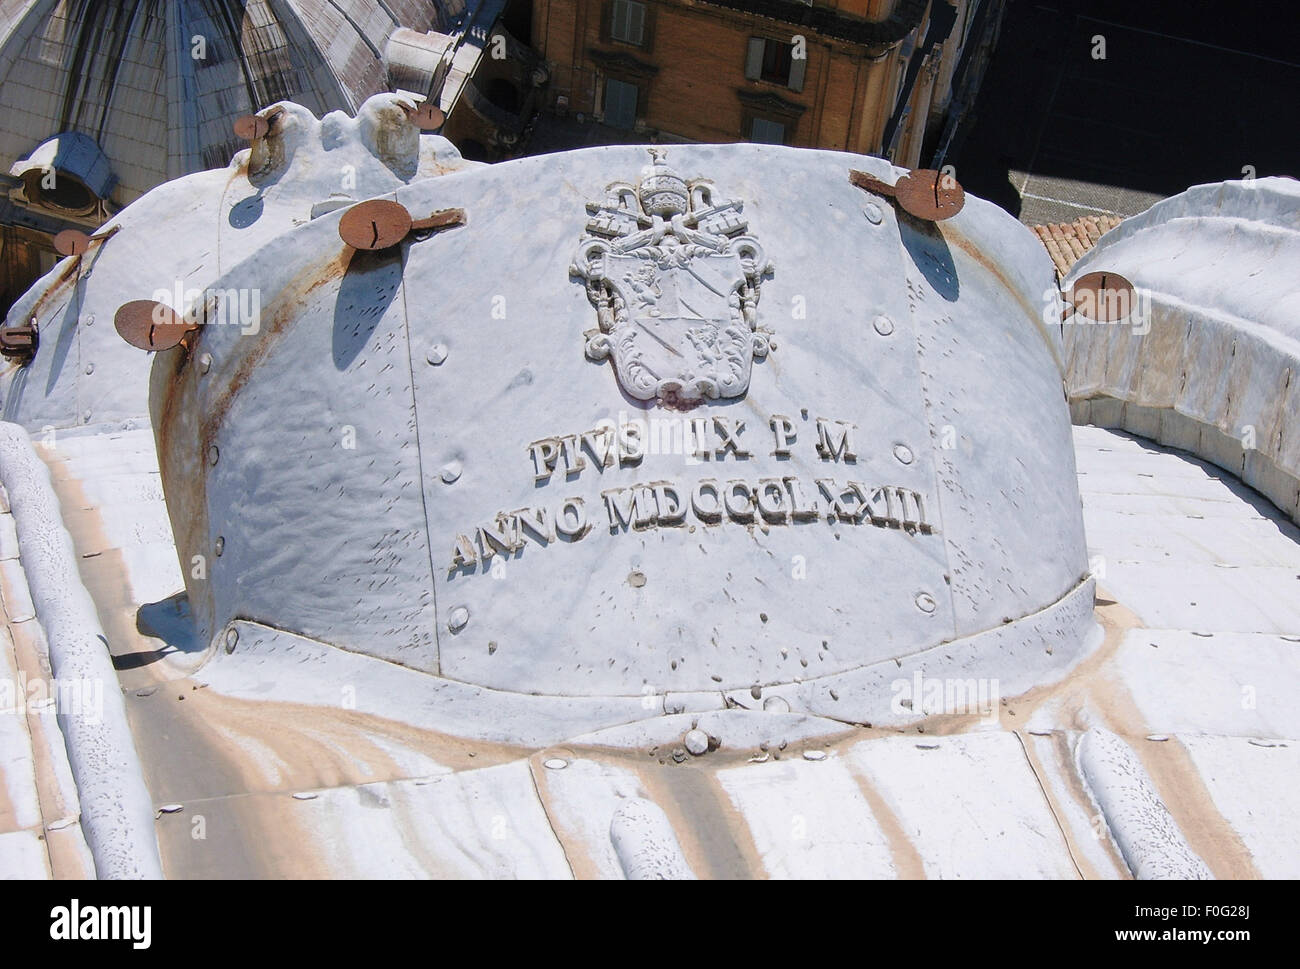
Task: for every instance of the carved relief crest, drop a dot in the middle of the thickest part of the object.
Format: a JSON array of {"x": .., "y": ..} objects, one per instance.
[{"x": 675, "y": 281}]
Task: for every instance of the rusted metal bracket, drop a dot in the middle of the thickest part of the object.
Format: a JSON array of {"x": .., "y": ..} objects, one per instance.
[
  {"x": 871, "y": 183},
  {"x": 924, "y": 193},
  {"x": 442, "y": 219},
  {"x": 20, "y": 342},
  {"x": 383, "y": 223}
]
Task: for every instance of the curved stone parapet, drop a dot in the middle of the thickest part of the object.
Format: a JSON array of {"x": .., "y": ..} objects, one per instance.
[
  {"x": 1210, "y": 361},
  {"x": 116, "y": 809}
]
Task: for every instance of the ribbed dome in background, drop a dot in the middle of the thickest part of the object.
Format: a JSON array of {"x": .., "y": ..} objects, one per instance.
[{"x": 123, "y": 72}]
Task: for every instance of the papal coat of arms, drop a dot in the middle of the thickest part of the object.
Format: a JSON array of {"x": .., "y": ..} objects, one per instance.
[{"x": 675, "y": 280}]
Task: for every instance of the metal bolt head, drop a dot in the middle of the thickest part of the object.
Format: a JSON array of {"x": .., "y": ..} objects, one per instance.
[
  {"x": 925, "y": 602},
  {"x": 458, "y": 619},
  {"x": 903, "y": 453},
  {"x": 150, "y": 325},
  {"x": 71, "y": 242},
  {"x": 451, "y": 471},
  {"x": 428, "y": 116},
  {"x": 375, "y": 224},
  {"x": 929, "y": 194},
  {"x": 872, "y": 211},
  {"x": 884, "y": 325},
  {"x": 205, "y": 362},
  {"x": 1105, "y": 297},
  {"x": 232, "y": 638},
  {"x": 437, "y": 354}
]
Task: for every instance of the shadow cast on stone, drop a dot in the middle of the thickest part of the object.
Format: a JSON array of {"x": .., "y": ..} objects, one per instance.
[
  {"x": 169, "y": 620},
  {"x": 930, "y": 254},
  {"x": 245, "y": 212},
  {"x": 369, "y": 286}
]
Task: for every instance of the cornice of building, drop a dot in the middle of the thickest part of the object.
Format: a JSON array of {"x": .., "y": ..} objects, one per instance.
[{"x": 906, "y": 17}]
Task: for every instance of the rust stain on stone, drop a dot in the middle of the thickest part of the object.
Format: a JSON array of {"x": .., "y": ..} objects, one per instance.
[{"x": 288, "y": 302}]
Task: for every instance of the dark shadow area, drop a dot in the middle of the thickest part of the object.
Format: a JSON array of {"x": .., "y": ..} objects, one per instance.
[
  {"x": 169, "y": 620},
  {"x": 930, "y": 254},
  {"x": 367, "y": 289},
  {"x": 245, "y": 212},
  {"x": 1185, "y": 94},
  {"x": 472, "y": 150},
  {"x": 67, "y": 336},
  {"x": 504, "y": 94}
]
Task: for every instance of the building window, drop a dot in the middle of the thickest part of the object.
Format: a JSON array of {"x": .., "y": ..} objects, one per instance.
[
  {"x": 627, "y": 22},
  {"x": 766, "y": 132},
  {"x": 620, "y": 103},
  {"x": 774, "y": 61},
  {"x": 767, "y": 118}
]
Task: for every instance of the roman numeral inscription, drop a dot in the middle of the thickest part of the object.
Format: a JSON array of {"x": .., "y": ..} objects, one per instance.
[{"x": 716, "y": 499}]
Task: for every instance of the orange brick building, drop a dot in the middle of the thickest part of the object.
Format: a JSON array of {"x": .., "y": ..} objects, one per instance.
[{"x": 868, "y": 76}]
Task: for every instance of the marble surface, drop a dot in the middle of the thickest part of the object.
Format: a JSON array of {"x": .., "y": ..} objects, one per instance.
[
  {"x": 1208, "y": 361},
  {"x": 386, "y": 418}
]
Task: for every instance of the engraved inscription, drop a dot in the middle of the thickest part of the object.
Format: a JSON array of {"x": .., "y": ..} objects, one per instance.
[{"x": 751, "y": 500}]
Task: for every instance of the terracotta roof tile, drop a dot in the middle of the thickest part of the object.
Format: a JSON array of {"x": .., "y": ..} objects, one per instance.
[{"x": 1066, "y": 242}]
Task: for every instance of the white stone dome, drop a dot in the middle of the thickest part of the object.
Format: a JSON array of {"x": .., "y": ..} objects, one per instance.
[
  {"x": 406, "y": 460},
  {"x": 157, "y": 85}
]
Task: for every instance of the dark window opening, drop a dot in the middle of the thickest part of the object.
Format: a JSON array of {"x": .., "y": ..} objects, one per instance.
[
  {"x": 473, "y": 150},
  {"x": 777, "y": 61},
  {"x": 66, "y": 193},
  {"x": 503, "y": 94}
]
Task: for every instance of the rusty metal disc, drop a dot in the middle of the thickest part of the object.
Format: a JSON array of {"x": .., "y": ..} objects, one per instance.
[
  {"x": 428, "y": 116},
  {"x": 930, "y": 195},
  {"x": 376, "y": 224},
  {"x": 71, "y": 242},
  {"x": 1104, "y": 297},
  {"x": 251, "y": 127},
  {"x": 150, "y": 325}
]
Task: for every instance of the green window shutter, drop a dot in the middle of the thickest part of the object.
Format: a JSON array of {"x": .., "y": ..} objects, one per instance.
[
  {"x": 635, "y": 23},
  {"x": 754, "y": 60},
  {"x": 798, "y": 66},
  {"x": 767, "y": 132}
]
